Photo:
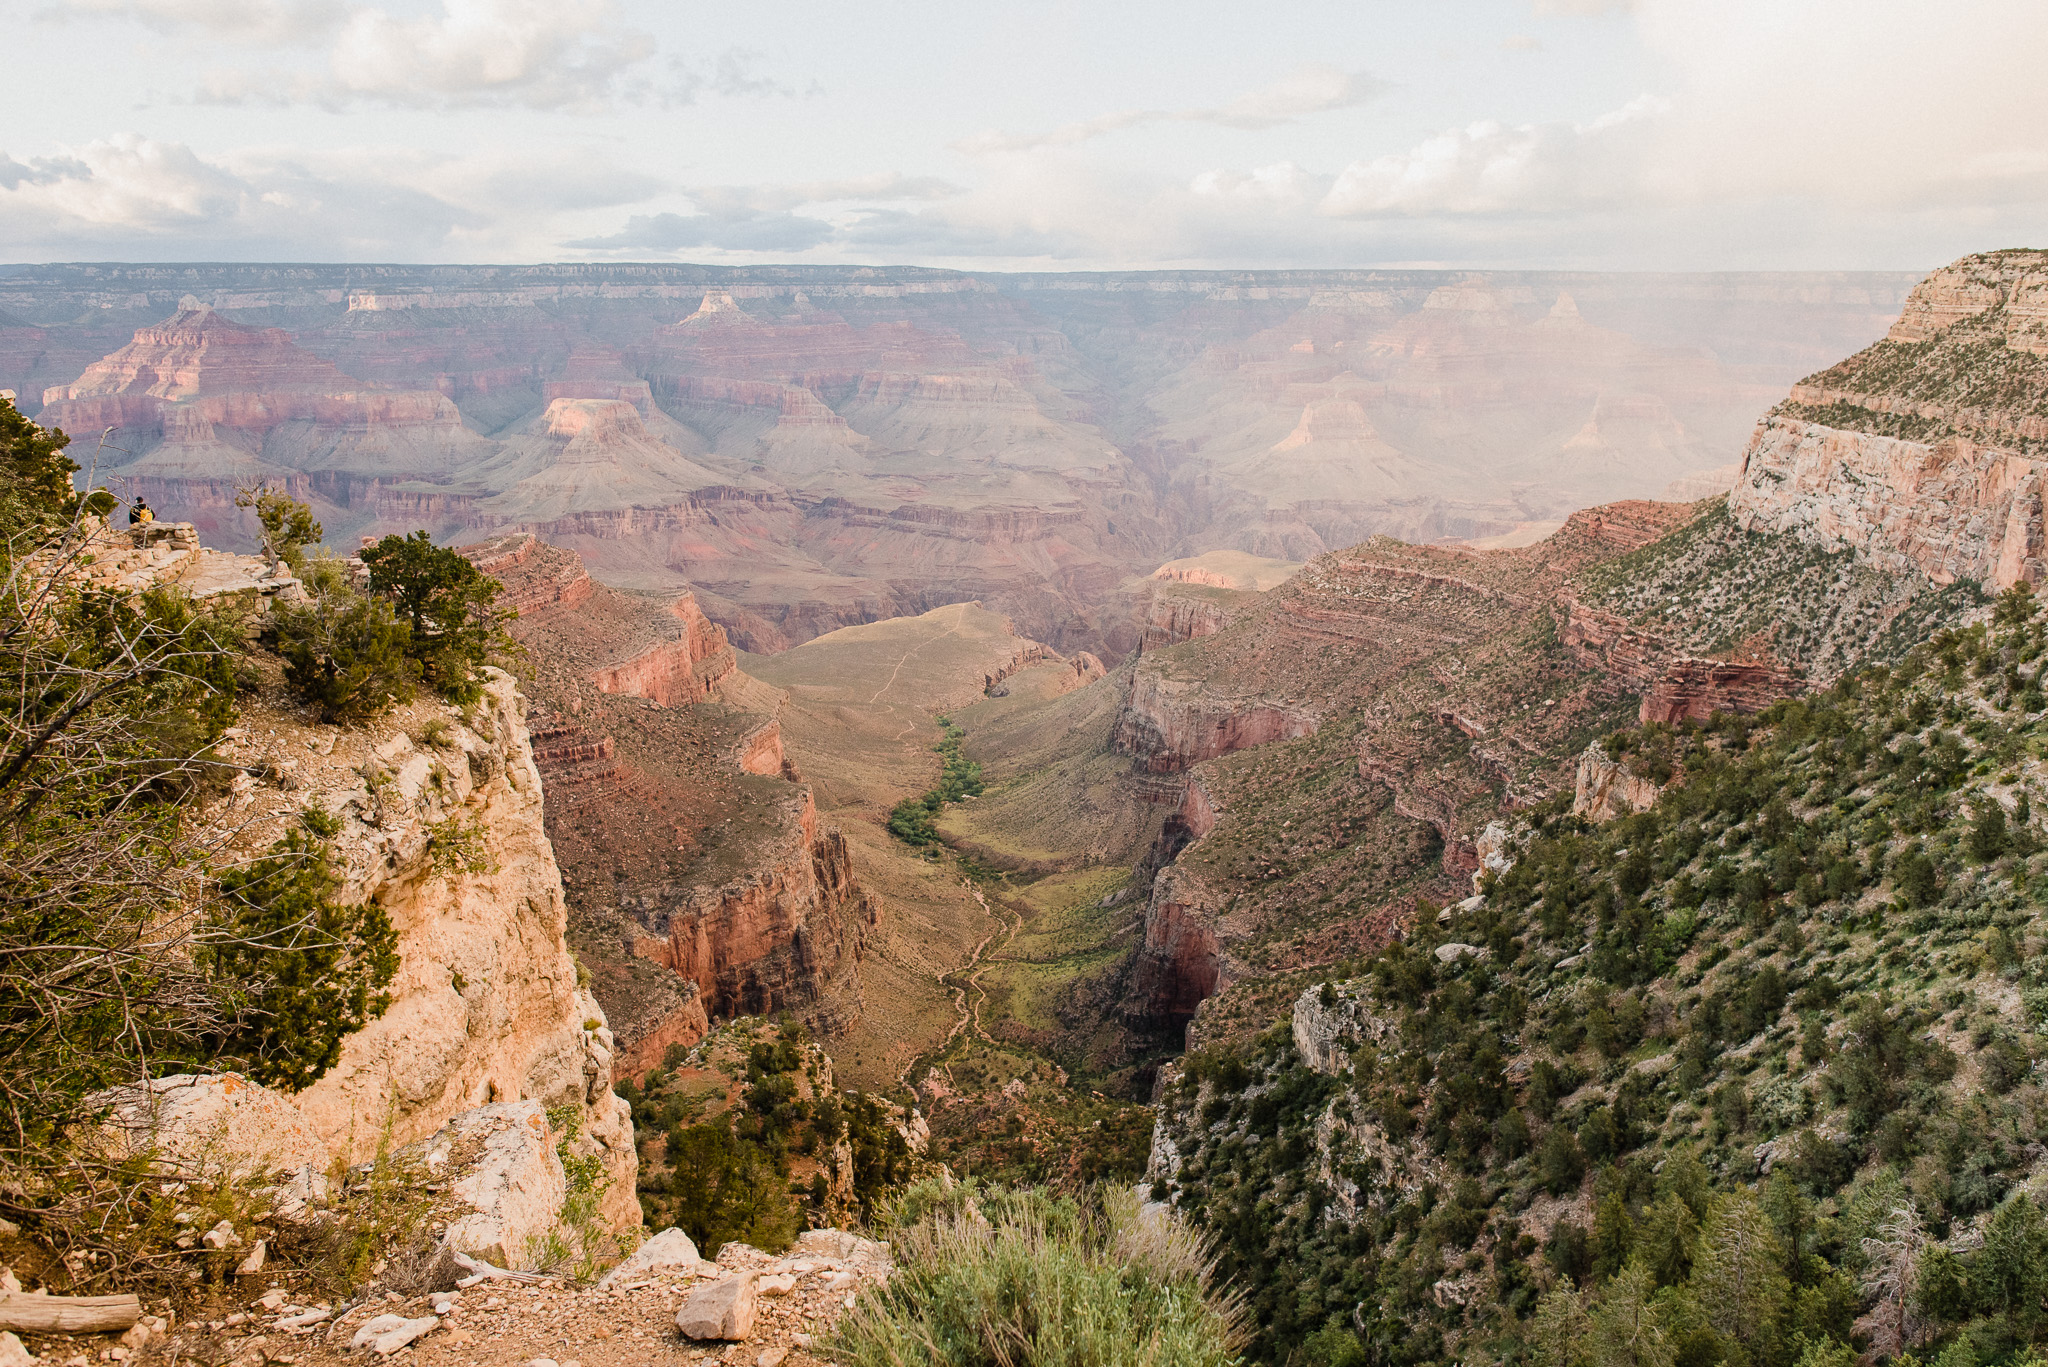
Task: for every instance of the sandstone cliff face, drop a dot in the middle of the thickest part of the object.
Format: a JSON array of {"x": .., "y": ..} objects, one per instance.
[
  {"x": 1924, "y": 450},
  {"x": 786, "y": 937},
  {"x": 1168, "y": 724},
  {"x": 1181, "y": 962},
  {"x": 486, "y": 1005}
]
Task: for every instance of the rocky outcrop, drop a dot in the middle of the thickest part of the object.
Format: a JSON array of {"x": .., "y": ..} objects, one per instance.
[
  {"x": 1168, "y": 618},
  {"x": 1674, "y": 686},
  {"x": 1332, "y": 1019},
  {"x": 1908, "y": 452},
  {"x": 486, "y": 1006},
  {"x": 1691, "y": 689},
  {"x": 1952, "y": 509},
  {"x": 786, "y": 936},
  {"x": 1604, "y": 788},
  {"x": 1169, "y": 724}
]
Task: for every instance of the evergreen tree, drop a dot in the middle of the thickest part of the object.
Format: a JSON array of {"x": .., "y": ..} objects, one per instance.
[
  {"x": 1558, "y": 1337},
  {"x": 1628, "y": 1329},
  {"x": 447, "y": 603},
  {"x": 1738, "y": 1272}
]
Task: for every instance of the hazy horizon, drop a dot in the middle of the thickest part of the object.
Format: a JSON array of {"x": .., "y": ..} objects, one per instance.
[{"x": 1493, "y": 134}]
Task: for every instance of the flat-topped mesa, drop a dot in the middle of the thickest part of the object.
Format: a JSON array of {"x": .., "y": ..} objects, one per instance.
[
  {"x": 1926, "y": 449},
  {"x": 198, "y": 371},
  {"x": 200, "y": 352}
]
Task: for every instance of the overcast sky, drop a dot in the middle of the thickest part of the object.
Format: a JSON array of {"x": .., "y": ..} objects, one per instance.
[{"x": 1683, "y": 134}]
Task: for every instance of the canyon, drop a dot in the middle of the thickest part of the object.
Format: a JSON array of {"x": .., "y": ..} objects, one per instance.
[{"x": 813, "y": 447}]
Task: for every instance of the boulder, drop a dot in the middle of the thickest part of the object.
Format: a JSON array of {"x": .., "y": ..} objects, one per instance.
[
  {"x": 14, "y": 1353},
  {"x": 669, "y": 1249},
  {"x": 839, "y": 1246},
  {"x": 722, "y": 1309},
  {"x": 214, "y": 1124},
  {"x": 501, "y": 1162}
]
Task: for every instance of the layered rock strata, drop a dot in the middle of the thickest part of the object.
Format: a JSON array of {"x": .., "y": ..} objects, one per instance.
[
  {"x": 1926, "y": 449},
  {"x": 702, "y": 883},
  {"x": 486, "y": 1006}
]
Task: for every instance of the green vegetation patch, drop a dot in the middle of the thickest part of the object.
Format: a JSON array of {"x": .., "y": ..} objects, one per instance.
[
  {"x": 1747, "y": 1077},
  {"x": 992, "y": 1277},
  {"x": 911, "y": 821}
]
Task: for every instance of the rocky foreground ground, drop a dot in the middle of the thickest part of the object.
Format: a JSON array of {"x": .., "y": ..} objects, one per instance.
[{"x": 662, "y": 1305}]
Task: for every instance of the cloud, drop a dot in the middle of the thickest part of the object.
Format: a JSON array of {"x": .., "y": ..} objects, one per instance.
[
  {"x": 1521, "y": 42},
  {"x": 134, "y": 196},
  {"x": 1495, "y": 168},
  {"x": 1313, "y": 88},
  {"x": 762, "y": 218},
  {"x": 251, "y": 22}
]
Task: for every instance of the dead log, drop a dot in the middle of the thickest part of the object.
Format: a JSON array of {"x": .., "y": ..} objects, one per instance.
[{"x": 68, "y": 1314}]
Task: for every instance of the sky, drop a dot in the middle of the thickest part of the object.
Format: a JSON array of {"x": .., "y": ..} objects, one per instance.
[{"x": 1029, "y": 135}]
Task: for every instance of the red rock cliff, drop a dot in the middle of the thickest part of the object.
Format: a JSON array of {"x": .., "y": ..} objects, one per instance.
[{"x": 785, "y": 936}]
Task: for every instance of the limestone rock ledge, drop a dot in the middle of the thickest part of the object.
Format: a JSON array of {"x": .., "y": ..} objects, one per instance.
[{"x": 486, "y": 1006}]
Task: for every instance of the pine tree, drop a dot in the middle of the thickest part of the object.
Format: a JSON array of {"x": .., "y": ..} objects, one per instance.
[
  {"x": 1666, "y": 1238},
  {"x": 1558, "y": 1335},
  {"x": 1627, "y": 1328},
  {"x": 1738, "y": 1273}
]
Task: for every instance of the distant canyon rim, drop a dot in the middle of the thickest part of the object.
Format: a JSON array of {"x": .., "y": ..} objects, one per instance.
[{"x": 808, "y": 448}]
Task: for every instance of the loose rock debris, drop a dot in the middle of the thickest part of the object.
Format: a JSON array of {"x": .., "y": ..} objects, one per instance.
[{"x": 791, "y": 1302}]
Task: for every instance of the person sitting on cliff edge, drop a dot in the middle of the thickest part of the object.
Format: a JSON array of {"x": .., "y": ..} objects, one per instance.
[{"x": 141, "y": 515}]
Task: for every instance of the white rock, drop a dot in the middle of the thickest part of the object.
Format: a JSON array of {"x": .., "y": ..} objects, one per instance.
[
  {"x": 771, "y": 1357},
  {"x": 391, "y": 1340},
  {"x": 515, "y": 1187},
  {"x": 1453, "y": 951},
  {"x": 214, "y": 1124},
  {"x": 136, "y": 1338},
  {"x": 221, "y": 1235},
  {"x": 722, "y": 1309},
  {"x": 670, "y": 1248},
  {"x": 13, "y": 1352},
  {"x": 373, "y": 1328},
  {"x": 776, "y": 1284},
  {"x": 253, "y": 1264}
]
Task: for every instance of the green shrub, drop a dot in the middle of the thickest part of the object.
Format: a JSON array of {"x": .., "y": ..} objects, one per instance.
[
  {"x": 299, "y": 971},
  {"x": 1028, "y": 1280},
  {"x": 347, "y": 654},
  {"x": 288, "y": 525},
  {"x": 447, "y": 602}
]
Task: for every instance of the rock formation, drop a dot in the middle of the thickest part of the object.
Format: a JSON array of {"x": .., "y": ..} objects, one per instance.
[
  {"x": 817, "y": 447},
  {"x": 1604, "y": 788},
  {"x": 700, "y": 881},
  {"x": 486, "y": 1006},
  {"x": 1925, "y": 450}
]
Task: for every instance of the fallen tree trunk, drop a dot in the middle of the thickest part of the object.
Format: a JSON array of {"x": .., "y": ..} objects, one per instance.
[{"x": 68, "y": 1314}]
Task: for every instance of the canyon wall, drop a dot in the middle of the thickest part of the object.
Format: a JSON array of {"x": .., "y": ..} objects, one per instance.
[
  {"x": 701, "y": 884},
  {"x": 1926, "y": 449},
  {"x": 487, "y": 1004},
  {"x": 786, "y": 936},
  {"x": 791, "y": 441},
  {"x": 1169, "y": 724}
]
